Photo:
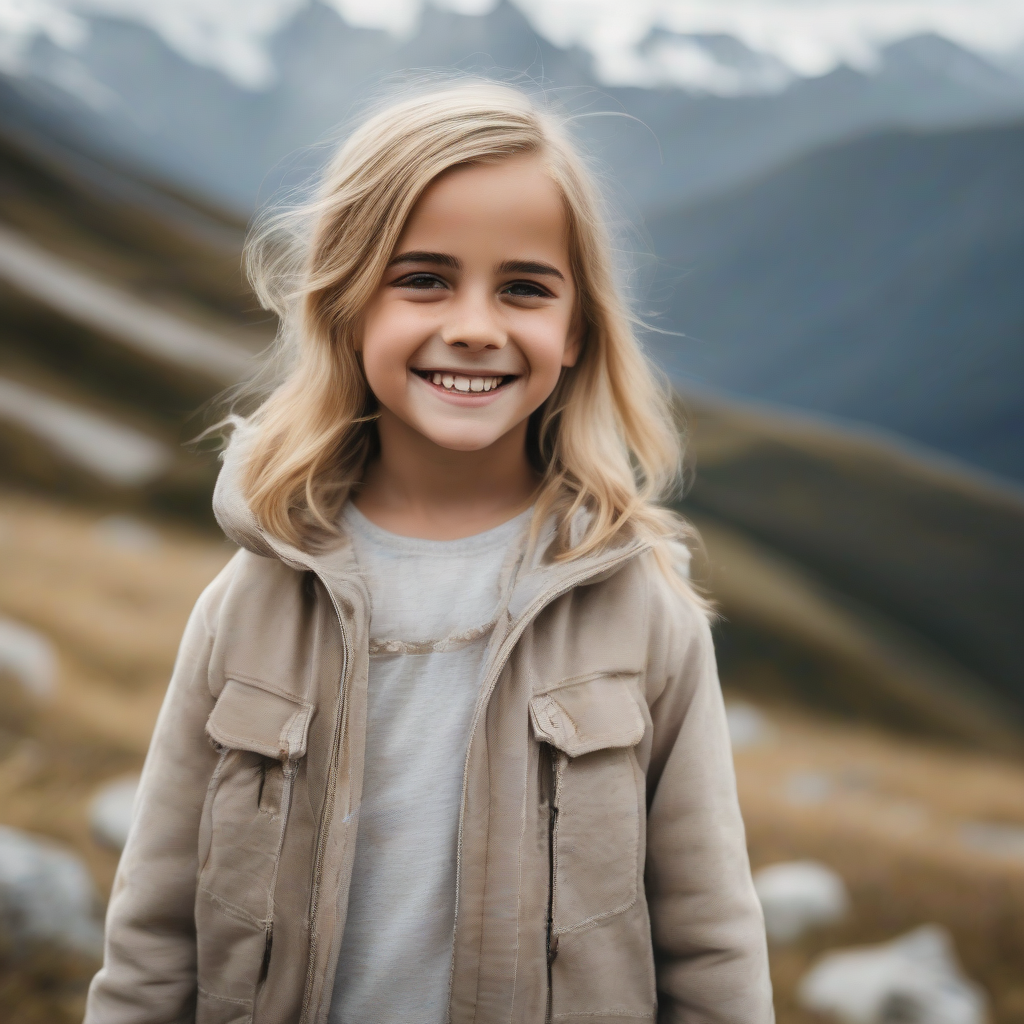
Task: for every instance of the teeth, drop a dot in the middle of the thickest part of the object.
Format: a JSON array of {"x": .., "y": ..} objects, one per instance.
[{"x": 458, "y": 382}]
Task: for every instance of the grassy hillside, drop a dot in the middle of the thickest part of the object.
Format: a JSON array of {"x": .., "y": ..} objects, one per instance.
[
  {"x": 926, "y": 557},
  {"x": 152, "y": 256}
]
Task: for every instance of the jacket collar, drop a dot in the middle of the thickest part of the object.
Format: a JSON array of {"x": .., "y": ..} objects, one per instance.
[{"x": 538, "y": 575}]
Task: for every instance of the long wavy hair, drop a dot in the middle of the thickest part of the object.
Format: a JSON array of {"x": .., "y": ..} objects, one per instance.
[{"x": 606, "y": 440}]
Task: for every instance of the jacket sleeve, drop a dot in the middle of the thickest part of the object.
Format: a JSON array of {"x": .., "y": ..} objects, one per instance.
[
  {"x": 149, "y": 965},
  {"x": 708, "y": 929}
]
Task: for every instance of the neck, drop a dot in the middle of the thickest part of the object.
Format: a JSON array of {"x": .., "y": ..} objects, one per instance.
[{"x": 418, "y": 489}]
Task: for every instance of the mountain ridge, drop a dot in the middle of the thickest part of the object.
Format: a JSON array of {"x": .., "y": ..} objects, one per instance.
[
  {"x": 161, "y": 109},
  {"x": 877, "y": 280}
]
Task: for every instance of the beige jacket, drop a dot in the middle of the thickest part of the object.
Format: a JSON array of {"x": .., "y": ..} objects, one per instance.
[{"x": 602, "y": 867}]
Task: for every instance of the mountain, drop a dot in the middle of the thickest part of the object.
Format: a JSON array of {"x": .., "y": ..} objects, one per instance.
[
  {"x": 878, "y": 280},
  {"x": 123, "y": 91},
  {"x": 910, "y": 322}
]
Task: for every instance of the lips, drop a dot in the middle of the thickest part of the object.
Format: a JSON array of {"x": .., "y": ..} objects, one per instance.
[{"x": 463, "y": 383}]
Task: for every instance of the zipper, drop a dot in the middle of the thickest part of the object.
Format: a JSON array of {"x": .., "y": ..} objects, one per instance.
[
  {"x": 552, "y": 939},
  {"x": 327, "y": 814},
  {"x": 289, "y": 769},
  {"x": 505, "y": 652}
]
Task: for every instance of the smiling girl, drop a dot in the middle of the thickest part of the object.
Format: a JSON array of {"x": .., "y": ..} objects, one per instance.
[{"x": 444, "y": 741}]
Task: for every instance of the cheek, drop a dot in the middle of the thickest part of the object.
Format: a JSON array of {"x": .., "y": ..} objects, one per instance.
[
  {"x": 386, "y": 343},
  {"x": 547, "y": 348}
]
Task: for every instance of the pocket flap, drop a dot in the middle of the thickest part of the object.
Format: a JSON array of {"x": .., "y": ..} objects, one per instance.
[
  {"x": 249, "y": 717},
  {"x": 594, "y": 714}
]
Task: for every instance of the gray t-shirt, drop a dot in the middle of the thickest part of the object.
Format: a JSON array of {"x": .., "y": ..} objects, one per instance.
[{"x": 433, "y": 607}]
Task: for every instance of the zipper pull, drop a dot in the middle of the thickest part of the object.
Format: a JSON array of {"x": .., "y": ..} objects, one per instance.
[
  {"x": 552, "y": 949},
  {"x": 265, "y": 966}
]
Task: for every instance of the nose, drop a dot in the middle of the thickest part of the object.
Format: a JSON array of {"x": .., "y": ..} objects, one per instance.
[{"x": 474, "y": 326}]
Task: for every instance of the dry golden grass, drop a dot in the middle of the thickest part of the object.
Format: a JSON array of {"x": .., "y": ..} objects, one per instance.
[
  {"x": 887, "y": 813},
  {"x": 889, "y": 822},
  {"x": 115, "y": 616}
]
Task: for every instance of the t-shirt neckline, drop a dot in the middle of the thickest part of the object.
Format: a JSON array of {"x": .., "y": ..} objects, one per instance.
[{"x": 496, "y": 536}]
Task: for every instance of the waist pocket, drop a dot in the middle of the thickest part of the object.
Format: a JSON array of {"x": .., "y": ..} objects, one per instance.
[
  {"x": 261, "y": 735},
  {"x": 597, "y": 796}
]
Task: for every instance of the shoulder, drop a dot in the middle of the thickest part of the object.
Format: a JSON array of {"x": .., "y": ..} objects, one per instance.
[
  {"x": 246, "y": 583},
  {"x": 671, "y": 602},
  {"x": 677, "y": 623}
]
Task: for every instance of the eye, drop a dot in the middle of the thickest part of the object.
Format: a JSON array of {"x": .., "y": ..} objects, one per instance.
[
  {"x": 421, "y": 281},
  {"x": 525, "y": 290}
]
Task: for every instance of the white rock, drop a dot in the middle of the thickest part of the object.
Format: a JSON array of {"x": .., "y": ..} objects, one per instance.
[
  {"x": 127, "y": 533},
  {"x": 798, "y": 895},
  {"x": 110, "y": 813},
  {"x": 28, "y": 656},
  {"x": 913, "y": 978},
  {"x": 994, "y": 838},
  {"x": 46, "y": 895},
  {"x": 804, "y": 788},
  {"x": 748, "y": 727}
]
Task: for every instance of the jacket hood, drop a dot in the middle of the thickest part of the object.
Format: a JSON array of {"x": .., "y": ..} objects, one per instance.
[
  {"x": 230, "y": 506},
  {"x": 241, "y": 526}
]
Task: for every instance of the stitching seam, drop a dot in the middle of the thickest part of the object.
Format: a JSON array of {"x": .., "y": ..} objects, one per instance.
[
  {"x": 225, "y": 999},
  {"x": 231, "y": 909}
]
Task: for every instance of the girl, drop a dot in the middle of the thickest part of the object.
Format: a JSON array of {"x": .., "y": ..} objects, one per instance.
[{"x": 445, "y": 740}]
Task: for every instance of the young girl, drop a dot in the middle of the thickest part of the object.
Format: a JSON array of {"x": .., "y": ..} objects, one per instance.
[{"x": 445, "y": 740}]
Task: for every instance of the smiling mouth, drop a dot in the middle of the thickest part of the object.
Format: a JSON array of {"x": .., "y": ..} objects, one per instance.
[{"x": 466, "y": 384}]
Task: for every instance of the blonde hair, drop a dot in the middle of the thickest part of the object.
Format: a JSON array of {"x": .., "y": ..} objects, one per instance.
[{"x": 606, "y": 440}]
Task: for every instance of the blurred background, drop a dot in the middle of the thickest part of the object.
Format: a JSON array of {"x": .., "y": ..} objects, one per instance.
[{"x": 825, "y": 214}]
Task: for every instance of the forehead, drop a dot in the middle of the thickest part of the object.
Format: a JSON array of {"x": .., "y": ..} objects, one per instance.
[{"x": 511, "y": 202}]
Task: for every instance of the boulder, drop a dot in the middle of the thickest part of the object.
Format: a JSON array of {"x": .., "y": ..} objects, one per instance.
[
  {"x": 110, "y": 813},
  {"x": 29, "y": 657},
  {"x": 46, "y": 895},
  {"x": 913, "y": 978},
  {"x": 995, "y": 838},
  {"x": 806, "y": 788},
  {"x": 748, "y": 727},
  {"x": 799, "y": 895},
  {"x": 127, "y": 533}
]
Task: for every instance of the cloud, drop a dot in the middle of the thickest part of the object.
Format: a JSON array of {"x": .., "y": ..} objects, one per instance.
[
  {"x": 228, "y": 35},
  {"x": 786, "y": 38},
  {"x": 807, "y": 37}
]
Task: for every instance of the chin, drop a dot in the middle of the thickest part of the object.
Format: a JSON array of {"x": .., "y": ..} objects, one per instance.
[{"x": 464, "y": 441}]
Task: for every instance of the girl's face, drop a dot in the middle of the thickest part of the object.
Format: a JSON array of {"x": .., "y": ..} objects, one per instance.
[{"x": 473, "y": 321}]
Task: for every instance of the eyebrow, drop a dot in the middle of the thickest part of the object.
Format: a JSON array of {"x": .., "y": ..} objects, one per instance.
[
  {"x": 436, "y": 258},
  {"x": 530, "y": 267},
  {"x": 444, "y": 259}
]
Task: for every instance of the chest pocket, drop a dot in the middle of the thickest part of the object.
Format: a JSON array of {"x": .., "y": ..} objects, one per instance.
[
  {"x": 261, "y": 735},
  {"x": 597, "y": 790}
]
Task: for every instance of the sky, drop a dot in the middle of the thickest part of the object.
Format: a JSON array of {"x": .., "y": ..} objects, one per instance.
[{"x": 800, "y": 37}]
